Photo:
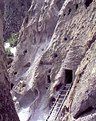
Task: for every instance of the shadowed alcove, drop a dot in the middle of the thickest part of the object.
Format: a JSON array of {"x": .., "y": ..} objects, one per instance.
[{"x": 68, "y": 76}]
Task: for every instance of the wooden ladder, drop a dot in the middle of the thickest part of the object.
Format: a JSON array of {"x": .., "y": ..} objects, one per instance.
[{"x": 56, "y": 109}]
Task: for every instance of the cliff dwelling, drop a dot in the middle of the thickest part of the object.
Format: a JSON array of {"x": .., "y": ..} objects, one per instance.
[
  {"x": 51, "y": 75},
  {"x": 68, "y": 76}
]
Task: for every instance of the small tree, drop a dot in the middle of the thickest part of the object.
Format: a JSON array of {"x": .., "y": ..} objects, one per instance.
[{"x": 13, "y": 40}]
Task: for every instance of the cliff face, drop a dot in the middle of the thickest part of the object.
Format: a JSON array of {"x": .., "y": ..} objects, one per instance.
[
  {"x": 82, "y": 102},
  {"x": 56, "y": 39},
  {"x": 14, "y": 13},
  {"x": 7, "y": 109},
  {"x": 35, "y": 36}
]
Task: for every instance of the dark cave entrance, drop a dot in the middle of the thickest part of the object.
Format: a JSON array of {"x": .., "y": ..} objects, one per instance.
[
  {"x": 12, "y": 85},
  {"x": 48, "y": 79},
  {"x": 68, "y": 76},
  {"x": 52, "y": 101},
  {"x": 88, "y": 2}
]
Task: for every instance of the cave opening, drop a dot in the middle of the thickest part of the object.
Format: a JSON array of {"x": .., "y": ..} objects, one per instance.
[
  {"x": 24, "y": 52},
  {"x": 88, "y": 2},
  {"x": 65, "y": 38},
  {"x": 26, "y": 20},
  {"x": 52, "y": 100},
  {"x": 12, "y": 85},
  {"x": 10, "y": 60},
  {"x": 55, "y": 55},
  {"x": 68, "y": 76},
  {"x": 49, "y": 71},
  {"x": 48, "y": 79},
  {"x": 15, "y": 73},
  {"x": 41, "y": 62},
  {"x": 69, "y": 11},
  {"x": 76, "y": 6},
  {"x": 64, "y": 14},
  {"x": 22, "y": 3}
]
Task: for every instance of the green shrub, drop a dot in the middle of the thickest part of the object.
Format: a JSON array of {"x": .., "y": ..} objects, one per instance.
[
  {"x": 13, "y": 40},
  {"x": 8, "y": 52}
]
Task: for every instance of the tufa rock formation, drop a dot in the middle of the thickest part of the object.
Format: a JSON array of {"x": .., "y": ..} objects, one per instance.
[
  {"x": 14, "y": 13},
  {"x": 56, "y": 46},
  {"x": 7, "y": 109}
]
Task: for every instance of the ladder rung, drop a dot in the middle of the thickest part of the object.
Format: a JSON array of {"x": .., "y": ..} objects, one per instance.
[
  {"x": 58, "y": 103},
  {"x": 64, "y": 91},
  {"x": 62, "y": 95},
  {"x": 57, "y": 108},
  {"x": 60, "y": 99},
  {"x": 68, "y": 86}
]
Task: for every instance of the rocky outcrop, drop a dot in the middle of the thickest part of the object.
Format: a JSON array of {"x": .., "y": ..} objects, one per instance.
[
  {"x": 81, "y": 100},
  {"x": 83, "y": 108},
  {"x": 14, "y": 13},
  {"x": 35, "y": 36},
  {"x": 55, "y": 40},
  {"x": 7, "y": 109}
]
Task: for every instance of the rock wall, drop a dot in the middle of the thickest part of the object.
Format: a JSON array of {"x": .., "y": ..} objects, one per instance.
[
  {"x": 7, "y": 109},
  {"x": 35, "y": 36},
  {"x": 84, "y": 108},
  {"x": 14, "y": 13},
  {"x": 53, "y": 39}
]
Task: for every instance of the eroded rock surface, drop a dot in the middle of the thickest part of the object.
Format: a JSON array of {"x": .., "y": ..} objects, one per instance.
[
  {"x": 7, "y": 108},
  {"x": 34, "y": 38},
  {"x": 57, "y": 38},
  {"x": 14, "y": 13}
]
